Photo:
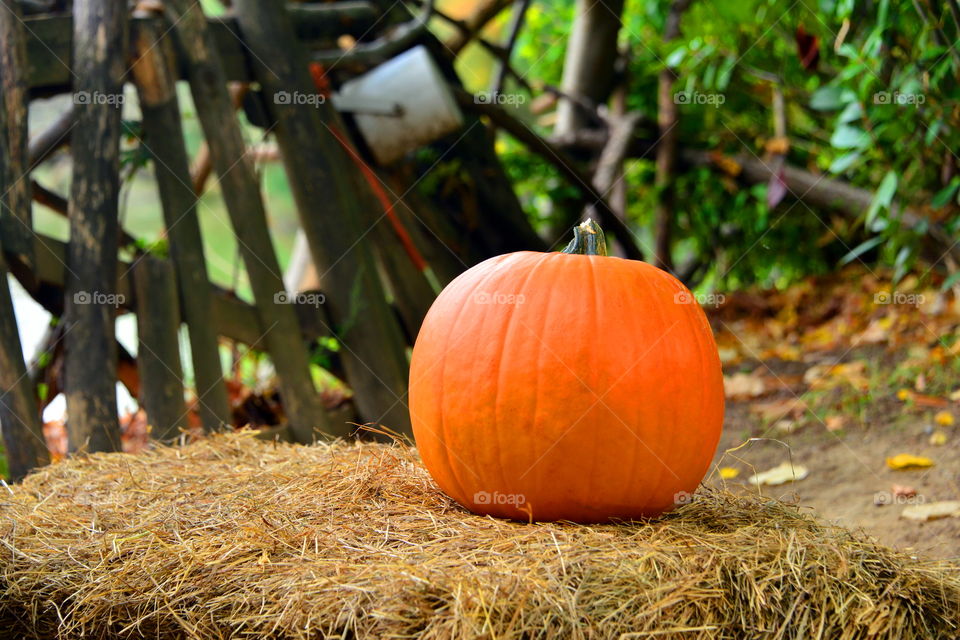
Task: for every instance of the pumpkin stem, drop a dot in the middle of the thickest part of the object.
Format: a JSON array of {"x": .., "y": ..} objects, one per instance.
[{"x": 587, "y": 240}]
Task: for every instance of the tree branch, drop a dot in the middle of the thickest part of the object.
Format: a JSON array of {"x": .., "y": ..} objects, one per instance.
[
  {"x": 468, "y": 29},
  {"x": 516, "y": 23},
  {"x": 44, "y": 144},
  {"x": 668, "y": 118},
  {"x": 589, "y": 196}
]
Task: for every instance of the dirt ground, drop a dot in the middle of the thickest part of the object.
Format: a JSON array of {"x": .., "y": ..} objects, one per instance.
[{"x": 848, "y": 473}]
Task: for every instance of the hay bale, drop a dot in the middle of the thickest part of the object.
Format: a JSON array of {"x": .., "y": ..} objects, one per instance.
[{"x": 233, "y": 537}]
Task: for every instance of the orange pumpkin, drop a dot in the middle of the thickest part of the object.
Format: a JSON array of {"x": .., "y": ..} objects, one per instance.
[{"x": 566, "y": 386}]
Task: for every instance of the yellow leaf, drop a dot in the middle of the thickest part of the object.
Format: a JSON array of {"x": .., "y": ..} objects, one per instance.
[
  {"x": 781, "y": 474},
  {"x": 904, "y": 394},
  {"x": 938, "y": 438},
  {"x": 944, "y": 419},
  {"x": 908, "y": 461},
  {"x": 728, "y": 473},
  {"x": 835, "y": 423},
  {"x": 744, "y": 385},
  {"x": 777, "y": 145},
  {"x": 932, "y": 511}
]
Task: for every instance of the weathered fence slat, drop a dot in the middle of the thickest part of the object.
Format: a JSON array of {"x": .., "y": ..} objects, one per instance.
[
  {"x": 15, "y": 213},
  {"x": 411, "y": 291},
  {"x": 158, "y": 356},
  {"x": 152, "y": 72},
  {"x": 100, "y": 44},
  {"x": 240, "y": 189},
  {"x": 49, "y": 39},
  {"x": 231, "y": 317},
  {"x": 19, "y": 418},
  {"x": 323, "y": 180}
]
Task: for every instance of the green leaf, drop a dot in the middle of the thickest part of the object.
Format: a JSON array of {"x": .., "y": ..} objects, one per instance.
[
  {"x": 675, "y": 58},
  {"x": 847, "y": 137},
  {"x": 726, "y": 69},
  {"x": 861, "y": 249},
  {"x": 945, "y": 195},
  {"x": 950, "y": 281},
  {"x": 851, "y": 112},
  {"x": 932, "y": 132},
  {"x": 844, "y": 162},
  {"x": 831, "y": 98},
  {"x": 883, "y": 197},
  {"x": 902, "y": 263}
]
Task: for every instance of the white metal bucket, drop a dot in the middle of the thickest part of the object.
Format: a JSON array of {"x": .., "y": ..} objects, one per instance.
[{"x": 427, "y": 110}]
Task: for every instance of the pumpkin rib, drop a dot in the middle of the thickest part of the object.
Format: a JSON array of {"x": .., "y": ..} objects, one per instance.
[
  {"x": 538, "y": 453},
  {"x": 588, "y": 486},
  {"x": 507, "y": 338},
  {"x": 694, "y": 320},
  {"x": 443, "y": 437},
  {"x": 626, "y": 281},
  {"x": 657, "y": 481},
  {"x": 532, "y": 449},
  {"x": 492, "y": 279}
]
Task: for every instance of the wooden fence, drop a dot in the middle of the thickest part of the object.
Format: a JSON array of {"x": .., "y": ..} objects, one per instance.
[{"x": 373, "y": 258}]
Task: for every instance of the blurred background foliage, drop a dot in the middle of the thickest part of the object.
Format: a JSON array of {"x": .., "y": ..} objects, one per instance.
[
  {"x": 870, "y": 95},
  {"x": 870, "y": 98}
]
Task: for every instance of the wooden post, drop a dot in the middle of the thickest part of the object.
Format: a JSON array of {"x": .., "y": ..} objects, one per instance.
[
  {"x": 158, "y": 356},
  {"x": 152, "y": 72},
  {"x": 335, "y": 217},
  {"x": 23, "y": 440},
  {"x": 100, "y": 45},
  {"x": 19, "y": 418},
  {"x": 238, "y": 183},
  {"x": 15, "y": 212}
]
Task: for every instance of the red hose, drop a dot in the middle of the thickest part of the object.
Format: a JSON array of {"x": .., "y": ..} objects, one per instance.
[{"x": 322, "y": 83}]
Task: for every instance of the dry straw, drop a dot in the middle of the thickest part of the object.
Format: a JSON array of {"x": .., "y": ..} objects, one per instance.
[{"x": 233, "y": 537}]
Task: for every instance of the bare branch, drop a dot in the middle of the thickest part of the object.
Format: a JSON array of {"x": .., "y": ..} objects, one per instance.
[{"x": 589, "y": 195}]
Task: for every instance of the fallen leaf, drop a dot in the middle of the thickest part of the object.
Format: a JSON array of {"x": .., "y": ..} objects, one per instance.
[
  {"x": 727, "y": 164},
  {"x": 921, "y": 400},
  {"x": 728, "y": 355},
  {"x": 55, "y": 434},
  {"x": 781, "y": 474},
  {"x": 779, "y": 409},
  {"x": 728, "y": 473},
  {"x": 920, "y": 384},
  {"x": 902, "y": 491},
  {"x": 743, "y": 385},
  {"x": 932, "y": 511},
  {"x": 955, "y": 394},
  {"x": 877, "y": 331},
  {"x": 777, "y": 145},
  {"x": 784, "y": 351},
  {"x": 908, "y": 461},
  {"x": 932, "y": 402},
  {"x": 785, "y": 426},
  {"x": 944, "y": 419},
  {"x": 938, "y": 438},
  {"x": 776, "y": 188},
  {"x": 835, "y": 423},
  {"x": 824, "y": 376}
]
